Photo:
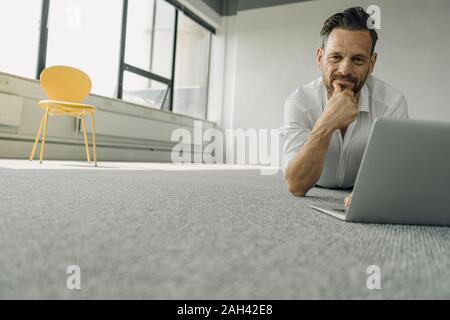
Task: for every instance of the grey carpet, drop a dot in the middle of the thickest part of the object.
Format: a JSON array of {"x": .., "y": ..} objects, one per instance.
[{"x": 200, "y": 235}]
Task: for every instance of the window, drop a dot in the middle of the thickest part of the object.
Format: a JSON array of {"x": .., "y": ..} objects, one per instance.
[
  {"x": 191, "y": 68},
  {"x": 149, "y": 53},
  {"x": 149, "y": 42},
  {"x": 19, "y": 35},
  {"x": 86, "y": 34}
]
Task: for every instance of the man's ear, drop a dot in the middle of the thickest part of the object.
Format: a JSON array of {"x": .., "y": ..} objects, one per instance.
[
  {"x": 373, "y": 61},
  {"x": 319, "y": 56}
]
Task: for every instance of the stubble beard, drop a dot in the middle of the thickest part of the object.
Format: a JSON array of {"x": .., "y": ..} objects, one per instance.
[{"x": 356, "y": 87}]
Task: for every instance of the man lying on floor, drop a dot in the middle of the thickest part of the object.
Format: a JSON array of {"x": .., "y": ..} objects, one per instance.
[{"x": 327, "y": 122}]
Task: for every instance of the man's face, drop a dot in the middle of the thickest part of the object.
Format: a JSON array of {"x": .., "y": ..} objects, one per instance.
[{"x": 346, "y": 59}]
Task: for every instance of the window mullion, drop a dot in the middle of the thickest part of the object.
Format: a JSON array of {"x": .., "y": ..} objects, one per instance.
[
  {"x": 122, "y": 49},
  {"x": 152, "y": 39},
  {"x": 174, "y": 57},
  {"x": 43, "y": 38}
]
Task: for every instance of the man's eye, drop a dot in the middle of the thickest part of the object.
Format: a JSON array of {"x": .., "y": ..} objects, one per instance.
[
  {"x": 335, "y": 58},
  {"x": 359, "y": 61}
]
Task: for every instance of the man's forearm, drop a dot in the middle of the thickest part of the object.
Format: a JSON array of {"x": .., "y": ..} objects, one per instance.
[{"x": 306, "y": 167}]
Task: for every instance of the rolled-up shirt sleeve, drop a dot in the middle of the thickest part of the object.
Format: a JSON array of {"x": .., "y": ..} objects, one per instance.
[{"x": 294, "y": 132}]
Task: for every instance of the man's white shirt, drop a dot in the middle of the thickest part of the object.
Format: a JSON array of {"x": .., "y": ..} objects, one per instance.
[{"x": 305, "y": 105}]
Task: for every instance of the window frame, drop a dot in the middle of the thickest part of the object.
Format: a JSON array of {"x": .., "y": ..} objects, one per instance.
[
  {"x": 43, "y": 38},
  {"x": 123, "y": 66}
]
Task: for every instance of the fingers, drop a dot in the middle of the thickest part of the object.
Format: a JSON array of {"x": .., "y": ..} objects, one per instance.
[
  {"x": 348, "y": 91},
  {"x": 337, "y": 87},
  {"x": 348, "y": 200}
]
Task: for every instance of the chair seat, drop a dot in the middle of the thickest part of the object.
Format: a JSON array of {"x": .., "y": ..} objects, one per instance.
[{"x": 63, "y": 107}]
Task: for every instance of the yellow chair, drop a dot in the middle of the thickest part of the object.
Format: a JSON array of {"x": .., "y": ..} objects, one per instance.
[{"x": 66, "y": 87}]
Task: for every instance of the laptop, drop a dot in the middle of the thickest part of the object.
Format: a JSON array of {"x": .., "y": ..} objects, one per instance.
[{"x": 404, "y": 177}]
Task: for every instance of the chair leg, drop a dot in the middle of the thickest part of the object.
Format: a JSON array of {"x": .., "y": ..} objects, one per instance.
[
  {"x": 33, "y": 151},
  {"x": 86, "y": 143},
  {"x": 94, "y": 138},
  {"x": 41, "y": 156}
]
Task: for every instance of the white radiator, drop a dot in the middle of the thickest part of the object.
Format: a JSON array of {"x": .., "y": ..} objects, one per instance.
[{"x": 10, "y": 110}]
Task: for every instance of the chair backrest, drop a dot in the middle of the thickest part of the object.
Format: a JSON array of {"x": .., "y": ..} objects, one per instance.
[{"x": 65, "y": 84}]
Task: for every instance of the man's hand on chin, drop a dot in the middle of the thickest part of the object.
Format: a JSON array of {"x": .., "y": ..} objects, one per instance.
[{"x": 348, "y": 200}]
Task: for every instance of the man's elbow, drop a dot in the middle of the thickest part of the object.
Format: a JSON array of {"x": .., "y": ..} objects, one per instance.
[
  {"x": 296, "y": 185},
  {"x": 297, "y": 190}
]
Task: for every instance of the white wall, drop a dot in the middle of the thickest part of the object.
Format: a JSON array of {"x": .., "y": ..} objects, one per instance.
[{"x": 274, "y": 50}]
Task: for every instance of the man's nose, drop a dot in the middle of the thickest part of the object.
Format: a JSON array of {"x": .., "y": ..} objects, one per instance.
[{"x": 346, "y": 67}]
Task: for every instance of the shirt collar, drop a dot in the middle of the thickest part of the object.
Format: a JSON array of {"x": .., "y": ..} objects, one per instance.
[{"x": 363, "y": 101}]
